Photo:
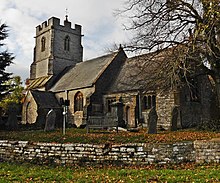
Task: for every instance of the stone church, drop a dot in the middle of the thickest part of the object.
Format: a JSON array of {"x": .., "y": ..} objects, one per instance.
[{"x": 58, "y": 73}]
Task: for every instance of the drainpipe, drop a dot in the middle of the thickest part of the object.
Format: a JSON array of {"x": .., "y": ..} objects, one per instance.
[
  {"x": 64, "y": 120},
  {"x": 65, "y": 112},
  {"x": 67, "y": 98},
  {"x": 139, "y": 106}
]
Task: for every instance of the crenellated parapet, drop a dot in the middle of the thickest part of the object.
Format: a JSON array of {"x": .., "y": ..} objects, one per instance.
[
  {"x": 54, "y": 23},
  {"x": 57, "y": 46}
]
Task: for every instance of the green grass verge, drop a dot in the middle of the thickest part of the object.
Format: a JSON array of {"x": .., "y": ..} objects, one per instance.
[
  {"x": 96, "y": 137},
  {"x": 33, "y": 173}
]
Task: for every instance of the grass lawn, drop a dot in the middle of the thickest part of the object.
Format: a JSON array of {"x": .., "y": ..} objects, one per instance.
[
  {"x": 11, "y": 172},
  {"x": 80, "y": 136}
]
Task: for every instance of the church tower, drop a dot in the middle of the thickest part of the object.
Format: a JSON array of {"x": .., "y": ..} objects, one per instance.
[{"x": 56, "y": 47}]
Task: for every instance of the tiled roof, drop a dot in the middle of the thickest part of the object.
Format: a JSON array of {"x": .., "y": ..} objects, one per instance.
[
  {"x": 84, "y": 74},
  {"x": 39, "y": 82},
  {"x": 141, "y": 73}
]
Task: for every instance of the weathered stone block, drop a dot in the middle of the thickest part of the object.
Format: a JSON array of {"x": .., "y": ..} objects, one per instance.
[
  {"x": 123, "y": 149},
  {"x": 139, "y": 149},
  {"x": 70, "y": 148},
  {"x": 130, "y": 149},
  {"x": 79, "y": 148},
  {"x": 115, "y": 149}
]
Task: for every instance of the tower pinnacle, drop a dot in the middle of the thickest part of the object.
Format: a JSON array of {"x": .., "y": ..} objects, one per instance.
[{"x": 66, "y": 15}]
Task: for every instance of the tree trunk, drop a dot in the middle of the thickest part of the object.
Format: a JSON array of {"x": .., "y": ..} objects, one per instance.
[{"x": 217, "y": 88}]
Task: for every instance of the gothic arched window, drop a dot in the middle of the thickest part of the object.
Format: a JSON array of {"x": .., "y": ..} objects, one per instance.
[
  {"x": 67, "y": 43},
  {"x": 78, "y": 102},
  {"x": 149, "y": 101},
  {"x": 43, "y": 44}
]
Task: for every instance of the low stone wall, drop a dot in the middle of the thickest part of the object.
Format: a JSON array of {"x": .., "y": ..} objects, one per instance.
[
  {"x": 207, "y": 151},
  {"x": 138, "y": 153}
]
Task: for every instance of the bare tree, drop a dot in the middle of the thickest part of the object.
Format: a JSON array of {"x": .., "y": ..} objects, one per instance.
[{"x": 189, "y": 29}]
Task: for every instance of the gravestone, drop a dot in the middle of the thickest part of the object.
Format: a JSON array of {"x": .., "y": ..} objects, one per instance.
[
  {"x": 12, "y": 122},
  {"x": 152, "y": 121},
  {"x": 50, "y": 121},
  {"x": 174, "y": 119},
  {"x": 41, "y": 118}
]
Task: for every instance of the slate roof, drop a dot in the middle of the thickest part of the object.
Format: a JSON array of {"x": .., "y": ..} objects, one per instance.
[
  {"x": 45, "y": 99},
  {"x": 84, "y": 74},
  {"x": 141, "y": 73}
]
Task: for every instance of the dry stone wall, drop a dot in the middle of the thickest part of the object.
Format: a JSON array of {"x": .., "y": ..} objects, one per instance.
[
  {"x": 207, "y": 151},
  {"x": 135, "y": 154}
]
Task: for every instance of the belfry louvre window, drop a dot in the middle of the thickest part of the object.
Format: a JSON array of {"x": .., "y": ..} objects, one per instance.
[
  {"x": 43, "y": 44},
  {"x": 67, "y": 43},
  {"x": 149, "y": 101},
  {"x": 78, "y": 102}
]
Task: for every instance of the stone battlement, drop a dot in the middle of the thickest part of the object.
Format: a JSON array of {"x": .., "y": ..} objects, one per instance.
[{"x": 54, "y": 23}]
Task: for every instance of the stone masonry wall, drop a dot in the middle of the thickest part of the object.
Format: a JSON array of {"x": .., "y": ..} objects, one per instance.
[
  {"x": 165, "y": 104},
  {"x": 207, "y": 151},
  {"x": 136, "y": 154}
]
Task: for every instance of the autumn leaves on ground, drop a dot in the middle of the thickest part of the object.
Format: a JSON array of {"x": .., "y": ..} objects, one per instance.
[{"x": 96, "y": 137}]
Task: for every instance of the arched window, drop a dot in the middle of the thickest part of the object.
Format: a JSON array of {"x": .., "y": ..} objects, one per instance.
[
  {"x": 149, "y": 101},
  {"x": 154, "y": 100},
  {"x": 78, "y": 102},
  {"x": 43, "y": 44},
  {"x": 67, "y": 43}
]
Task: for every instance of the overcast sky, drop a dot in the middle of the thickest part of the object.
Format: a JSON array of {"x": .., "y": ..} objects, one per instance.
[{"x": 101, "y": 29}]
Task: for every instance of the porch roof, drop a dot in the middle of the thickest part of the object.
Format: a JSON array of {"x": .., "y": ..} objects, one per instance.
[
  {"x": 39, "y": 82},
  {"x": 45, "y": 99}
]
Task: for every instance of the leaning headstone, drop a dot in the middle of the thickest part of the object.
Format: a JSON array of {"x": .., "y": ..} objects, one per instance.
[
  {"x": 174, "y": 119},
  {"x": 12, "y": 122},
  {"x": 50, "y": 121},
  {"x": 152, "y": 121}
]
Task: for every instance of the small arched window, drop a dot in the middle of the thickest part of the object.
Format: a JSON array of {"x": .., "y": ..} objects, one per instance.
[
  {"x": 149, "y": 101},
  {"x": 78, "y": 102},
  {"x": 43, "y": 44},
  {"x": 67, "y": 43}
]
